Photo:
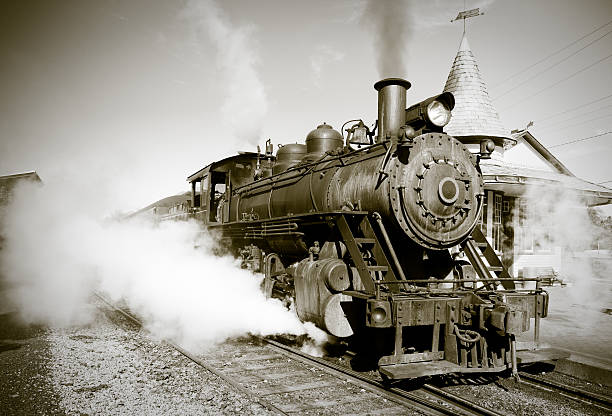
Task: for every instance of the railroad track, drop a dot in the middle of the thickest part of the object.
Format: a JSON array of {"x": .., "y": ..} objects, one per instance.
[
  {"x": 287, "y": 381},
  {"x": 599, "y": 401},
  {"x": 428, "y": 397}
]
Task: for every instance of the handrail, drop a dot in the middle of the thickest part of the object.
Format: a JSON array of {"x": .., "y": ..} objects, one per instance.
[
  {"x": 522, "y": 279},
  {"x": 309, "y": 167},
  {"x": 387, "y": 241}
]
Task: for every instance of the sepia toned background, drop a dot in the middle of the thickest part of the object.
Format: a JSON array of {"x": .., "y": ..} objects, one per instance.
[{"x": 133, "y": 96}]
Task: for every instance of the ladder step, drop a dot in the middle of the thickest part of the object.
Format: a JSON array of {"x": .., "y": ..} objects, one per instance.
[
  {"x": 361, "y": 240},
  {"x": 496, "y": 268},
  {"x": 478, "y": 243},
  {"x": 378, "y": 268}
]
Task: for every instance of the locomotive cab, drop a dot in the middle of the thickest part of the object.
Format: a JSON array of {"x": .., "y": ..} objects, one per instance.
[
  {"x": 212, "y": 186},
  {"x": 199, "y": 194}
]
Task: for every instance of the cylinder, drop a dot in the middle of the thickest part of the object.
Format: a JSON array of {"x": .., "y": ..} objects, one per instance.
[
  {"x": 335, "y": 274},
  {"x": 334, "y": 317},
  {"x": 317, "y": 300},
  {"x": 391, "y": 106}
]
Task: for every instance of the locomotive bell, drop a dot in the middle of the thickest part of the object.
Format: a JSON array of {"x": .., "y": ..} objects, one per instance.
[{"x": 391, "y": 107}]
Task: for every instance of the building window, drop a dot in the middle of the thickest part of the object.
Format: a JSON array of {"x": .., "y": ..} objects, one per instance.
[
  {"x": 497, "y": 212},
  {"x": 497, "y": 222},
  {"x": 522, "y": 212},
  {"x": 533, "y": 233},
  {"x": 525, "y": 239}
]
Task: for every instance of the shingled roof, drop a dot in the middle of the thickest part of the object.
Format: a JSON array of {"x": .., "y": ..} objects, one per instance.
[
  {"x": 513, "y": 180},
  {"x": 474, "y": 115}
]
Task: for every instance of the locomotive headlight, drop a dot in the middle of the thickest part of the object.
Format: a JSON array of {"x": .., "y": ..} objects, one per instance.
[
  {"x": 432, "y": 113},
  {"x": 438, "y": 113}
]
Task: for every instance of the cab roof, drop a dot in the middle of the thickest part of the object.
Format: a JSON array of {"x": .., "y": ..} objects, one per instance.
[{"x": 241, "y": 156}]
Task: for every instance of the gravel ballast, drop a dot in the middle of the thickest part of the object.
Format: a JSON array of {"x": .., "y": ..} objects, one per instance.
[
  {"x": 111, "y": 367},
  {"x": 104, "y": 369}
]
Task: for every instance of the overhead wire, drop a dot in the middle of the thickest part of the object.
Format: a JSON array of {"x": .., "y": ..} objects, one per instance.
[
  {"x": 559, "y": 82},
  {"x": 579, "y": 140},
  {"x": 550, "y": 55},
  {"x": 548, "y": 68},
  {"x": 572, "y": 109},
  {"x": 563, "y": 126},
  {"x": 572, "y": 117}
]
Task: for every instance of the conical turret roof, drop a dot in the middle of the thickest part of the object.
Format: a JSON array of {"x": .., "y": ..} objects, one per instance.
[{"x": 474, "y": 115}]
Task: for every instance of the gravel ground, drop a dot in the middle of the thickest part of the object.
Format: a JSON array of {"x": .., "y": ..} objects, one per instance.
[
  {"x": 509, "y": 397},
  {"x": 103, "y": 369},
  {"x": 25, "y": 385},
  {"x": 581, "y": 384}
]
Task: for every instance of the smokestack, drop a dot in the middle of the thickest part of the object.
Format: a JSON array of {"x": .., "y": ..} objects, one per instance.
[{"x": 391, "y": 106}]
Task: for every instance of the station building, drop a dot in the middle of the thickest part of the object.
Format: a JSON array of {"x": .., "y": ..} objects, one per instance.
[
  {"x": 7, "y": 186},
  {"x": 8, "y": 183},
  {"x": 519, "y": 168}
]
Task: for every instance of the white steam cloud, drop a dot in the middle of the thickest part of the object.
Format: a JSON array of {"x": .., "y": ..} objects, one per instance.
[
  {"x": 323, "y": 55},
  {"x": 559, "y": 225},
  {"x": 564, "y": 236},
  {"x": 245, "y": 103},
  {"x": 55, "y": 254}
]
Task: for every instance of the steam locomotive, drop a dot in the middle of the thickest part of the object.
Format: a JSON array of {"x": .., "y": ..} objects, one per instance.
[{"x": 364, "y": 230}]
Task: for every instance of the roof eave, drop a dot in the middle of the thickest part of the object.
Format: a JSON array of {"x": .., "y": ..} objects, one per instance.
[
  {"x": 518, "y": 186},
  {"x": 543, "y": 153},
  {"x": 504, "y": 142}
]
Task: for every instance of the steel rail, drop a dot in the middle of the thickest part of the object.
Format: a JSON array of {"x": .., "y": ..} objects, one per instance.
[
  {"x": 278, "y": 347},
  {"x": 413, "y": 398},
  {"x": 575, "y": 393},
  {"x": 200, "y": 362},
  {"x": 458, "y": 399},
  {"x": 395, "y": 394},
  {"x": 416, "y": 402}
]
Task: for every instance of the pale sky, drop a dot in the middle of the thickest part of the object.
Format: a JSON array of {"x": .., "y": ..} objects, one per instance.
[{"x": 133, "y": 96}]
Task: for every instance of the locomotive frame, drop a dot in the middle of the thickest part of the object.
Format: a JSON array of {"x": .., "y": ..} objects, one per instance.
[{"x": 360, "y": 238}]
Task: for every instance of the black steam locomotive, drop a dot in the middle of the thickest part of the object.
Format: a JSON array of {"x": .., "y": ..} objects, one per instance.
[{"x": 364, "y": 234}]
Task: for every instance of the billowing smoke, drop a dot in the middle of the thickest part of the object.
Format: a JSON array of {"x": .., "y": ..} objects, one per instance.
[
  {"x": 558, "y": 231},
  {"x": 557, "y": 226},
  {"x": 56, "y": 253},
  {"x": 391, "y": 27},
  {"x": 245, "y": 103}
]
